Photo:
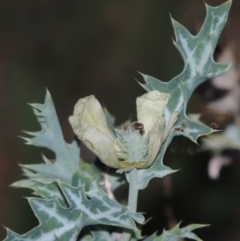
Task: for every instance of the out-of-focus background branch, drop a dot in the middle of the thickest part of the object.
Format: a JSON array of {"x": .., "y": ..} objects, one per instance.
[{"x": 78, "y": 48}]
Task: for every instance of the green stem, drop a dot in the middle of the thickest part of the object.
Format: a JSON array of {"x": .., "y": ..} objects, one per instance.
[{"x": 132, "y": 201}]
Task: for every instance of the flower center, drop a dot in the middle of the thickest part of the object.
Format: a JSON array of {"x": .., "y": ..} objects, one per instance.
[{"x": 133, "y": 143}]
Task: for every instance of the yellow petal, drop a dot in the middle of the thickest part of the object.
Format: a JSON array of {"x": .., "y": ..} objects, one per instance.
[
  {"x": 101, "y": 145},
  {"x": 155, "y": 141},
  {"x": 150, "y": 107},
  {"x": 89, "y": 113},
  {"x": 90, "y": 108},
  {"x": 173, "y": 119}
]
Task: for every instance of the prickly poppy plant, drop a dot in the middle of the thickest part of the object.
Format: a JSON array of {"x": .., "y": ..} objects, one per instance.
[{"x": 71, "y": 193}]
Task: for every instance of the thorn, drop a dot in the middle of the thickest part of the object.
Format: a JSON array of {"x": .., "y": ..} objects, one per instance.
[
  {"x": 139, "y": 82},
  {"x": 32, "y": 104},
  {"x": 214, "y": 130},
  {"x": 31, "y": 133},
  {"x": 143, "y": 85},
  {"x": 26, "y": 172},
  {"x": 48, "y": 95},
  {"x": 172, "y": 19},
  {"x": 174, "y": 41},
  {"x": 47, "y": 91},
  {"x": 179, "y": 223},
  {"x": 37, "y": 112},
  {"x": 46, "y": 160},
  {"x": 28, "y": 140},
  {"x": 143, "y": 75}
]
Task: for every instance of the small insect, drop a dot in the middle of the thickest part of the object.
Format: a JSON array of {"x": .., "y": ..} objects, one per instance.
[
  {"x": 214, "y": 125},
  {"x": 179, "y": 129},
  {"x": 138, "y": 126}
]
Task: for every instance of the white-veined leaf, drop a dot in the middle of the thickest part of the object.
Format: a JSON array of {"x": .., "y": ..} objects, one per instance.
[
  {"x": 50, "y": 136},
  {"x": 177, "y": 233},
  {"x": 199, "y": 65},
  {"x": 57, "y": 222}
]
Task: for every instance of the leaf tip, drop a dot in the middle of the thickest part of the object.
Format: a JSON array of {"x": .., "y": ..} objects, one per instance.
[
  {"x": 48, "y": 95},
  {"x": 28, "y": 141}
]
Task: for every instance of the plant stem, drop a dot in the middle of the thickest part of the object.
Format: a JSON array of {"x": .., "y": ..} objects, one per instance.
[
  {"x": 133, "y": 191},
  {"x": 132, "y": 201}
]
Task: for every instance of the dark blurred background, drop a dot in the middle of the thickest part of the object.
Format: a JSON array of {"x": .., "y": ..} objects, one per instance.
[{"x": 78, "y": 48}]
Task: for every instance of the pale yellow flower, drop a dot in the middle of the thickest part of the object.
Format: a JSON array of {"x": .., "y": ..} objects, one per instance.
[{"x": 138, "y": 145}]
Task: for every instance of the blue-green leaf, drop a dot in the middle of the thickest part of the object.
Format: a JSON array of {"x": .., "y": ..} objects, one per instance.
[
  {"x": 46, "y": 191},
  {"x": 199, "y": 65},
  {"x": 177, "y": 233},
  {"x": 57, "y": 222},
  {"x": 197, "y": 53},
  {"x": 50, "y": 136}
]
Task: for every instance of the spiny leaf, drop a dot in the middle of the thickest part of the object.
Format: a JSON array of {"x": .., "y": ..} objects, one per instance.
[
  {"x": 46, "y": 191},
  {"x": 87, "y": 174},
  {"x": 197, "y": 52},
  {"x": 51, "y": 190},
  {"x": 199, "y": 65},
  {"x": 177, "y": 233},
  {"x": 191, "y": 128},
  {"x": 51, "y": 137},
  {"x": 57, "y": 222}
]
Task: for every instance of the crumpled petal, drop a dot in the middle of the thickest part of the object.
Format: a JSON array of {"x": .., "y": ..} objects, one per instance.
[
  {"x": 155, "y": 141},
  {"x": 90, "y": 125},
  {"x": 150, "y": 108},
  {"x": 173, "y": 119},
  {"x": 88, "y": 112},
  {"x": 101, "y": 145}
]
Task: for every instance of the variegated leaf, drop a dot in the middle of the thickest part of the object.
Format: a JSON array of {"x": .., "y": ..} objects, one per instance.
[
  {"x": 177, "y": 234},
  {"x": 197, "y": 53},
  {"x": 47, "y": 188},
  {"x": 50, "y": 136},
  {"x": 46, "y": 191},
  {"x": 57, "y": 222},
  {"x": 199, "y": 65}
]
